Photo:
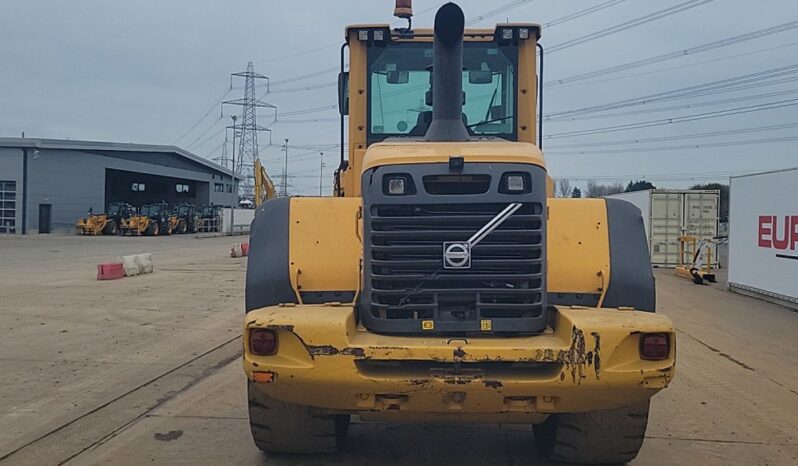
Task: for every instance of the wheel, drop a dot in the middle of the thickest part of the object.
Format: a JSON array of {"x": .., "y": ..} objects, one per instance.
[
  {"x": 279, "y": 427},
  {"x": 599, "y": 437},
  {"x": 152, "y": 229},
  {"x": 111, "y": 228},
  {"x": 182, "y": 227}
]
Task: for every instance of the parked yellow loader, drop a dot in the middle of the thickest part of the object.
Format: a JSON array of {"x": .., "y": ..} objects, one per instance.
[
  {"x": 105, "y": 223},
  {"x": 153, "y": 220},
  {"x": 442, "y": 282}
]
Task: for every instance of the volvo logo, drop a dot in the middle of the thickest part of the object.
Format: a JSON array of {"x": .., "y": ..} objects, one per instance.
[{"x": 456, "y": 256}]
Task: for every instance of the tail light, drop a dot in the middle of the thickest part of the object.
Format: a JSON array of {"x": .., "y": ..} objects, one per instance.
[
  {"x": 262, "y": 342},
  {"x": 655, "y": 346}
]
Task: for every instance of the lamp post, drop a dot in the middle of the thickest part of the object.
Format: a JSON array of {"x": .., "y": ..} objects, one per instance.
[
  {"x": 321, "y": 169},
  {"x": 285, "y": 170},
  {"x": 235, "y": 185}
]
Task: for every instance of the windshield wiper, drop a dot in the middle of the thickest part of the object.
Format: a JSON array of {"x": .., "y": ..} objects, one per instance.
[{"x": 485, "y": 122}]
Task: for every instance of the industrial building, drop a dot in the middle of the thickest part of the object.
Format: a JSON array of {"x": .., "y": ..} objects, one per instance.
[{"x": 47, "y": 184}]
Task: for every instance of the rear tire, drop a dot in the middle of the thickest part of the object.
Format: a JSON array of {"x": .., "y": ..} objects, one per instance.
[
  {"x": 111, "y": 228},
  {"x": 280, "y": 427},
  {"x": 153, "y": 229},
  {"x": 600, "y": 437}
]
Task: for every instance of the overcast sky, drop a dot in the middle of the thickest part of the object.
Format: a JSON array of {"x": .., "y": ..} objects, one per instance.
[{"x": 145, "y": 71}]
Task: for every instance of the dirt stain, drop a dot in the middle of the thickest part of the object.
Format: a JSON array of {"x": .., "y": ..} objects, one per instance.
[{"x": 169, "y": 436}]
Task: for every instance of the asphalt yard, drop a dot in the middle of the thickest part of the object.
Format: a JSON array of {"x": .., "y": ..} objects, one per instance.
[{"x": 146, "y": 370}]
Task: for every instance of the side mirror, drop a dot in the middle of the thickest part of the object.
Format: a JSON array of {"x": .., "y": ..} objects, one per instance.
[
  {"x": 343, "y": 93},
  {"x": 398, "y": 77},
  {"x": 480, "y": 77}
]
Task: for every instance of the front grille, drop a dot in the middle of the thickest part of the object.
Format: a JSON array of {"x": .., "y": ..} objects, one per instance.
[{"x": 408, "y": 289}]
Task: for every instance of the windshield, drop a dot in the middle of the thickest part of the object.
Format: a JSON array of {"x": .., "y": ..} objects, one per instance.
[
  {"x": 114, "y": 210},
  {"x": 400, "y": 77},
  {"x": 182, "y": 211},
  {"x": 151, "y": 210}
]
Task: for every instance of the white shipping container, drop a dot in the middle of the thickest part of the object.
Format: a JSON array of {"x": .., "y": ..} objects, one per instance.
[
  {"x": 763, "y": 235},
  {"x": 669, "y": 214}
]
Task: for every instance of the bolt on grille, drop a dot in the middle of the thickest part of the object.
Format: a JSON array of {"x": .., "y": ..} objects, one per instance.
[{"x": 407, "y": 277}]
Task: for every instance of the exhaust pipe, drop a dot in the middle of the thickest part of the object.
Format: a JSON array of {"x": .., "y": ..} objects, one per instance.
[{"x": 447, "y": 77}]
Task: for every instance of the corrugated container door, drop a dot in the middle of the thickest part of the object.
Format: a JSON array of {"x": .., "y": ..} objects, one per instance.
[
  {"x": 701, "y": 216},
  {"x": 666, "y": 227}
]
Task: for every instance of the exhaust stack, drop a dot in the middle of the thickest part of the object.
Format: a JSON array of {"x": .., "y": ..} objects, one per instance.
[{"x": 447, "y": 77}]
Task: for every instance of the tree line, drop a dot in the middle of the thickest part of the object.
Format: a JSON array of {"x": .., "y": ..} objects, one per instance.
[{"x": 563, "y": 188}]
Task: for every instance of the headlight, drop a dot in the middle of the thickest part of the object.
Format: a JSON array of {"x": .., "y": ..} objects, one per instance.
[
  {"x": 396, "y": 186},
  {"x": 515, "y": 183}
]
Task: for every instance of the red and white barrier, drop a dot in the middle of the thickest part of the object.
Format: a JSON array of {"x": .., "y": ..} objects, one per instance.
[
  {"x": 239, "y": 250},
  {"x": 110, "y": 271},
  {"x": 126, "y": 266}
]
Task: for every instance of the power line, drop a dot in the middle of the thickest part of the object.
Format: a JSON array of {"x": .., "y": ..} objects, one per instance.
[
  {"x": 628, "y": 25},
  {"x": 676, "y": 54},
  {"x": 679, "y": 119},
  {"x": 204, "y": 132},
  {"x": 662, "y": 176},
  {"x": 304, "y": 76},
  {"x": 193, "y": 145},
  {"x": 680, "y": 107},
  {"x": 306, "y": 88},
  {"x": 677, "y": 137},
  {"x": 205, "y": 115},
  {"x": 746, "y": 142},
  {"x": 324, "y": 47},
  {"x": 689, "y": 91},
  {"x": 579, "y": 14},
  {"x": 313, "y": 120},
  {"x": 309, "y": 110},
  {"x": 496, "y": 11},
  {"x": 671, "y": 68}
]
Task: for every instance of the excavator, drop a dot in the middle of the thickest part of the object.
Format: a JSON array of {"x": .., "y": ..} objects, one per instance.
[
  {"x": 442, "y": 282},
  {"x": 264, "y": 187}
]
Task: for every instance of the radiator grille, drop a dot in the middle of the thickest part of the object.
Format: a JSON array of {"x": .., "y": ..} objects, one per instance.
[{"x": 408, "y": 280}]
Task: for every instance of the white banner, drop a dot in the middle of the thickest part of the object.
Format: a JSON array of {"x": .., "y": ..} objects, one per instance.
[{"x": 763, "y": 234}]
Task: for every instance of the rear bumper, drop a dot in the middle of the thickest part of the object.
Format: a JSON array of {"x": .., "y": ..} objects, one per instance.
[{"x": 589, "y": 362}]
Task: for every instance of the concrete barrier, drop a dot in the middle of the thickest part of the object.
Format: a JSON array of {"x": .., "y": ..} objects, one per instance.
[{"x": 137, "y": 264}]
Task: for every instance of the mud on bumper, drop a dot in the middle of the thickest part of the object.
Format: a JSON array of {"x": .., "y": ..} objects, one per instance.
[{"x": 588, "y": 361}]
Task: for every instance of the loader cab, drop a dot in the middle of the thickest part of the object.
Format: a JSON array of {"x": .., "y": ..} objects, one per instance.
[
  {"x": 155, "y": 211},
  {"x": 387, "y": 92},
  {"x": 120, "y": 210}
]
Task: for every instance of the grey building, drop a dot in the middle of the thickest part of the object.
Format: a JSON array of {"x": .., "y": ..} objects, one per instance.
[{"x": 47, "y": 184}]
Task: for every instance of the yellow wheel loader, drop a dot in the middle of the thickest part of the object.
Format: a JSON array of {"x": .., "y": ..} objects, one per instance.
[
  {"x": 105, "y": 223},
  {"x": 442, "y": 282},
  {"x": 188, "y": 220},
  {"x": 152, "y": 220}
]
